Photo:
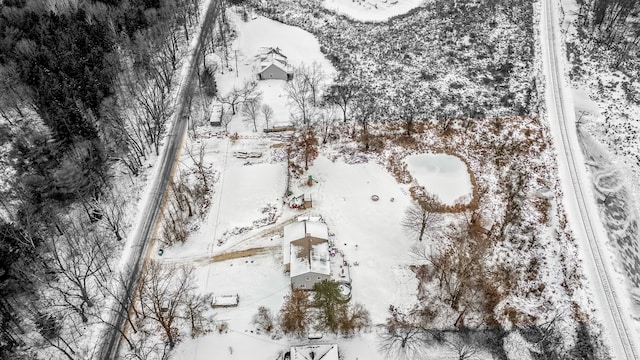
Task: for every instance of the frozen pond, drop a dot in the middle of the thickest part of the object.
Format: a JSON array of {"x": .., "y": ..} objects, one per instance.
[{"x": 442, "y": 175}]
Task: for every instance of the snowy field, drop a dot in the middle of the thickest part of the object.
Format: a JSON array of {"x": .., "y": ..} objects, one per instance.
[
  {"x": 237, "y": 247},
  {"x": 299, "y": 46},
  {"x": 372, "y": 10},
  {"x": 368, "y": 232}
]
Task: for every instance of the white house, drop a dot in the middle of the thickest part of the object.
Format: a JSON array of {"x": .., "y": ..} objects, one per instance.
[
  {"x": 315, "y": 352},
  {"x": 305, "y": 253},
  {"x": 272, "y": 64}
]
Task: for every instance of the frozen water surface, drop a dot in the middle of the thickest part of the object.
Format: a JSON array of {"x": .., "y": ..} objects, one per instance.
[{"x": 442, "y": 175}]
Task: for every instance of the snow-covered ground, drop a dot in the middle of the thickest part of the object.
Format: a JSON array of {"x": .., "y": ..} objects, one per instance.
[
  {"x": 368, "y": 232},
  {"x": 372, "y": 10},
  {"x": 614, "y": 307},
  {"x": 236, "y": 249},
  {"x": 446, "y": 176},
  {"x": 299, "y": 46}
]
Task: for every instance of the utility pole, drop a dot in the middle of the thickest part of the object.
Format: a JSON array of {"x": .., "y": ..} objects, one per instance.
[{"x": 236, "y": 53}]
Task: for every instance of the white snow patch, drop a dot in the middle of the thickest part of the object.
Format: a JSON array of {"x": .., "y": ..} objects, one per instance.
[
  {"x": 442, "y": 175},
  {"x": 372, "y": 10}
]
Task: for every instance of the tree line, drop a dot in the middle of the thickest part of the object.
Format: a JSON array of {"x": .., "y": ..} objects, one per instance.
[
  {"x": 611, "y": 25},
  {"x": 85, "y": 87}
]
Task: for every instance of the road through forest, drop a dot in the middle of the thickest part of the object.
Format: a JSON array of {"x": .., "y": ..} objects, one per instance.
[{"x": 167, "y": 161}]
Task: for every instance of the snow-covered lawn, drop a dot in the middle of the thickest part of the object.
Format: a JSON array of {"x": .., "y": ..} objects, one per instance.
[
  {"x": 299, "y": 46},
  {"x": 368, "y": 232},
  {"x": 442, "y": 175},
  {"x": 372, "y": 10}
]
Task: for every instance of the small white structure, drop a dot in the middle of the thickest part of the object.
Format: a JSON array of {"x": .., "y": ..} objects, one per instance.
[
  {"x": 305, "y": 253},
  {"x": 225, "y": 301},
  {"x": 315, "y": 352},
  {"x": 272, "y": 64}
]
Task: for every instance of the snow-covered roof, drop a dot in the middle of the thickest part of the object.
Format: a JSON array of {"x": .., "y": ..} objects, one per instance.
[
  {"x": 299, "y": 230},
  {"x": 272, "y": 56},
  {"x": 225, "y": 300},
  {"x": 308, "y": 258},
  {"x": 315, "y": 352}
]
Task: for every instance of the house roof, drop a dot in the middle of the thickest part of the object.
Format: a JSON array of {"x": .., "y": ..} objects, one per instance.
[
  {"x": 310, "y": 258},
  {"x": 299, "y": 230},
  {"x": 315, "y": 352},
  {"x": 272, "y": 56}
]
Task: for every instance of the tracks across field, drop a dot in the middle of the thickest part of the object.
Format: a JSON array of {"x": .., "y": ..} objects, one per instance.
[
  {"x": 620, "y": 336},
  {"x": 240, "y": 249}
]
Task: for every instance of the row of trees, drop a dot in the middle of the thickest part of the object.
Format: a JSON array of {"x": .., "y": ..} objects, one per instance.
[
  {"x": 85, "y": 86},
  {"x": 326, "y": 311},
  {"x": 609, "y": 25}
]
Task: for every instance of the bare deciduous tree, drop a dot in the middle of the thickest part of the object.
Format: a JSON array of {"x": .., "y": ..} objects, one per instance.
[
  {"x": 267, "y": 112},
  {"x": 405, "y": 337},
  {"x": 79, "y": 257},
  {"x": 341, "y": 95},
  {"x": 294, "y": 315},
  {"x": 421, "y": 217},
  {"x": 365, "y": 108},
  {"x": 354, "y": 319},
  {"x": 162, "y": 293},
  {"x": 303, "y": 148},
  {"x": 326, "y": 118},
  {"x": 194, "y": 307},
  {"x": 239, "y": 95},
  {"x": 264, "y": 319},
  {"x": 251, "y": 111},
  {"x": 301, "y": 94}
]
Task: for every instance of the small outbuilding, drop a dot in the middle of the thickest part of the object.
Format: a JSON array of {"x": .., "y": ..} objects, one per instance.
[{"x": 272, "y": 64}]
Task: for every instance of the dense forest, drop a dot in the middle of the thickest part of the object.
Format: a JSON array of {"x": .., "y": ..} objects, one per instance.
[
  {"x": 613, "y": 28},
  {"x": 70, "y": 74}
]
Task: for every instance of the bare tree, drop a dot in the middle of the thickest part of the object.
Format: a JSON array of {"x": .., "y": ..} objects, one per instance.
[
  {"x": 79, "y": 257},
  {"x": 225, "y": 119},
  {"x": 412, "y": 103},
  {"x": 264, "y": 319},
  {"x": 301, "y": 94},
  {"x": 421, "y": 217},
  {"x": 315, "y": 76},
  {"x": 353, "y": 319},
  {"x": 405, "y": 336},
  {"x": 162, "y": 292},
  {"x": 267, "y": 112},
  {"x": 366, "y": 108},
  {"x": 145, "y": 349},
  {"x": 294, "y": 315},
  {"x": 239, "y": 95},
  {"x": 341, "y": 95},
  {"x": 195, "y": 306},
  {"x": 326, "y": 118},
  {"x": 463, "y": 344},
  {"x": 251, "y": 111},
  {"x": 203, "y": 171},
  {"x": 303, "y": 148},
  {"x": 112, "y": 210}
]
